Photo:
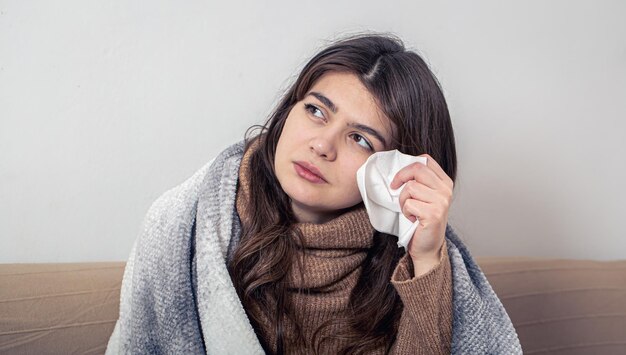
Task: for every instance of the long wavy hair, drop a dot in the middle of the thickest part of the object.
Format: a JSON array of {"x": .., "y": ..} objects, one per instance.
[{"x": 408, "y": 93}]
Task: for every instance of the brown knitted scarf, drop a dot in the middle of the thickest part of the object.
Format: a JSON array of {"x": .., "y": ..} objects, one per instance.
[{"x": 332, "y": 256}]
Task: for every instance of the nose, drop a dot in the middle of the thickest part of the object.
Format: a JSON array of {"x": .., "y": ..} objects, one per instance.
[{"x": 324, "y": 147}]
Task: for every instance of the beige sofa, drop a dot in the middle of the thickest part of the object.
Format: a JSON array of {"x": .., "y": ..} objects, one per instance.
[{"x": 557, "y": 306}]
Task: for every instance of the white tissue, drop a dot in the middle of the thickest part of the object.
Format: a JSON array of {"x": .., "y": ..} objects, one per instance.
[{"x": 381, "y": 201}]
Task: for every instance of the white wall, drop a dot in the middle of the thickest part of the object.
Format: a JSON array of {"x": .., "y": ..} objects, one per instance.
[{"x": 104, "y": 105}]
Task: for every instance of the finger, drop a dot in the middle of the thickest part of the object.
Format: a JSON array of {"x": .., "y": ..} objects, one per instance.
[
  {"x": 416, "y": 171},
  {"x": 414, "y": 210},
  {"x": 425, "y": 212},
  {"x": 437, "y": 169},
  {"x": 417, "y": 191}
]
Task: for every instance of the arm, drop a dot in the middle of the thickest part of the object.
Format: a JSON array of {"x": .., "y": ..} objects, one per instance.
[{"x": 426, "y": 322}]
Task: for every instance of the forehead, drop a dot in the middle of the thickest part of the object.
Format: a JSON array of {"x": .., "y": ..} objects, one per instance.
[{"x": 353, "y": 101}]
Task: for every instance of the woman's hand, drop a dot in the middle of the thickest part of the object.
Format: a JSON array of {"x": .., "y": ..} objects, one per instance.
[{"x": 426, "y": 196}]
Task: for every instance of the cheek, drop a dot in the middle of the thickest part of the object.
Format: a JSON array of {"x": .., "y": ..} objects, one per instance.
[
  {"x": 349, "y": 169},
  {"x": 286, "y": 136},
  {"x": 293, "y": 133}
]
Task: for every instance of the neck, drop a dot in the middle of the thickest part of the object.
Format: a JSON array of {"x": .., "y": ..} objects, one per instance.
[{"x": 316, "y": 217}]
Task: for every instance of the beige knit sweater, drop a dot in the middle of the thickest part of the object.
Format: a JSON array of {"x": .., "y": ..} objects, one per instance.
[{"x": 333, "y": 255}]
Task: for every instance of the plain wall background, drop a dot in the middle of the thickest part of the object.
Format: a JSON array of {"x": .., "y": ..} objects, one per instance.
[{"x": 104, "y": 105}]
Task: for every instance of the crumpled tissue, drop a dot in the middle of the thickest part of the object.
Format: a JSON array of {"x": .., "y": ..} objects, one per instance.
[{"x": 381, "y": 201}]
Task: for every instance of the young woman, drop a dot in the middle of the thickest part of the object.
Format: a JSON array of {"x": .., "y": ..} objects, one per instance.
[{"x": 268, "y": 248}]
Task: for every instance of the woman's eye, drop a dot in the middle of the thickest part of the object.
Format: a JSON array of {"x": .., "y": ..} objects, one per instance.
[
  {"x": 313, "y": 109},
  {"x": 360, "y": 140}
]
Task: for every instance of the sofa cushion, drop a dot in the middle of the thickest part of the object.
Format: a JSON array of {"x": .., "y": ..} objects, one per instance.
[
  {"x": 562, "y": 306},
  {"x": 58, "y": 308}
]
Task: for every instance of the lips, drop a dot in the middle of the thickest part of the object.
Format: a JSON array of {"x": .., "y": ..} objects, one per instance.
[{"x": 311, "y": 169}]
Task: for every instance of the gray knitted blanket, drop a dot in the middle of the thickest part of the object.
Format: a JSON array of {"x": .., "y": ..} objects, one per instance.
[{"x": 177, "y": 296}]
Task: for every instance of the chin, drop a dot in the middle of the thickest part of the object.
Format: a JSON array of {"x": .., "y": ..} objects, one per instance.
[
  {"x": 316, "y": 198},
  {"x": 310, "y": 200}
]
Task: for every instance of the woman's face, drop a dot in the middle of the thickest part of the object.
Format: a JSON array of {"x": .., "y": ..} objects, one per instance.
[{"x": 333, "y": 130}]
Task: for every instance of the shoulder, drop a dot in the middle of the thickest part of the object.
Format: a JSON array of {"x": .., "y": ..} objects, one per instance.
[
  {"x": 183, "y": 197},
  {"x": 171, "y": 216}
]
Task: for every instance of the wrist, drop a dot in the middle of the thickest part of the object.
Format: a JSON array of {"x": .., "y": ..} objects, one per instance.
[{"x": 423, "y": 266}]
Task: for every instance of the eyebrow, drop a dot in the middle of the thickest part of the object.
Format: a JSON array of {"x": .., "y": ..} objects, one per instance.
[{"x": 326, "y": 101}]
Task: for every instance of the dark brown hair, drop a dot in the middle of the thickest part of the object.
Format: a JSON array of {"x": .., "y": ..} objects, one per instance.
[{"x": 407, "y": 92}]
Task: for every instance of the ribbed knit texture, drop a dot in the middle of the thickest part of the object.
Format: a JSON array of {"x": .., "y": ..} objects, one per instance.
[{"x": 333, "y": 256}]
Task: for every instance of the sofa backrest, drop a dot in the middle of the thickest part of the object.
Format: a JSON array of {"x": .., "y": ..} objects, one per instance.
[{"x": 557, "y": 306}]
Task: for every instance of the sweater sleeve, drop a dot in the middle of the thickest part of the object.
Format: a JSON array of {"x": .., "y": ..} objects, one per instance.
[{"x": 426, "y": 321}]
